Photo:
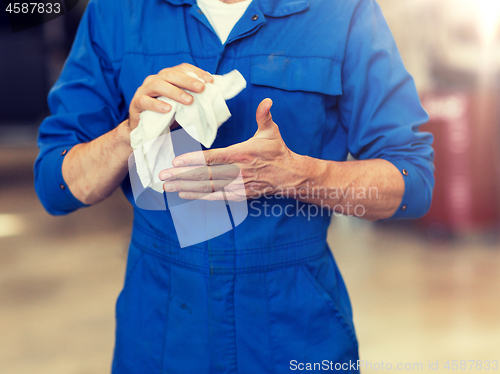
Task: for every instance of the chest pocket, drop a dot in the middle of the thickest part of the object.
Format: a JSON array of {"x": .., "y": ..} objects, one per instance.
[
  {"x": 309, "y": 74},
  {"x": 303, "y": 90}
]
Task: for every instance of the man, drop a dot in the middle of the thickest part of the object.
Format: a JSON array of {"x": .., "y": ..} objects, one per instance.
[{"x": 267, "y": 295}]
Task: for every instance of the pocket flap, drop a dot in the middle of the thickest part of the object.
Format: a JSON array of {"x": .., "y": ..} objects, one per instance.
[{"x": 311, "y": 74}]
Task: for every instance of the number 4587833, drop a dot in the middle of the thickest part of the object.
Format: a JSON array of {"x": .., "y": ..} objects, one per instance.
[{"x": 38, "y": 8}]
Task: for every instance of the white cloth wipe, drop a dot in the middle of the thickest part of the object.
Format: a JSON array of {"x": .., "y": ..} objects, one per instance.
[{"x": 151, "y": 141}]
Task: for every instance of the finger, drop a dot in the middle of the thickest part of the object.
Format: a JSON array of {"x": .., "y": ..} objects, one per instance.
[
  {"x": 180, "y": 79},
  {"x": 202, "y": 196},
  {"x": 263, "y": 115},
  {"x": 219, "y": 195},
  {"x": 206, "y": 76},
  {"x": 225, "y": 171},
  {"x": 210, "y": 157},
  {"x": 187, "y": 159},
  {"x": 144, "y": 102},
  {"x": 207, "y": 187},
  {"x": 174, "y": 173},
  {"x": 197, "y": 173},
  {"x": 161, "y": 87}
]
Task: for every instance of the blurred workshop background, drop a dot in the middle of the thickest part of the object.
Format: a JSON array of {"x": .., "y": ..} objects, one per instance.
[{"x": 423, "y": 291}]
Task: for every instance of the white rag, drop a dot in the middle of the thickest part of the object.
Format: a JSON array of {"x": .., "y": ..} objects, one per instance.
[{"x": 151, "y": 141}]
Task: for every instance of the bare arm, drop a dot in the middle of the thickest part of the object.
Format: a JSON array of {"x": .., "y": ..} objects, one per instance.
[
  {"x": 371, "y": 189},
  {"x": 94, "y": 170}
]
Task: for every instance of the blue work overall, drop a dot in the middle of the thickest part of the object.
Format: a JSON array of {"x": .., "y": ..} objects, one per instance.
[{"x": 266, "y": 295}]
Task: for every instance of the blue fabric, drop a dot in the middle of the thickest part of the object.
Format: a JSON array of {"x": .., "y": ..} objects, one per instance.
[{"x": 268, "y": 291}]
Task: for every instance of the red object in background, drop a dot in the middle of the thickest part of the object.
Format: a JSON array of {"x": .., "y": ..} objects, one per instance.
[{"x": 465, "y": 129}]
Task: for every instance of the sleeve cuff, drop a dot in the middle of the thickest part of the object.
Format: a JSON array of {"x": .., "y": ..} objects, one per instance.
[
  {"x": 56, "y": 197},
  {"x": 414, "y": 203}
]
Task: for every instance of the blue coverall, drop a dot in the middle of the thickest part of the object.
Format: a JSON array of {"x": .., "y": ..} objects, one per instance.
[{"x": 268, "y": 292}]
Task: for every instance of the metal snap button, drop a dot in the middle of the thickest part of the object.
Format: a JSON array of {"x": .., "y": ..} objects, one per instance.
[
  {"x": 255, "y": 17},
  {"x": 405, "y": 172}
]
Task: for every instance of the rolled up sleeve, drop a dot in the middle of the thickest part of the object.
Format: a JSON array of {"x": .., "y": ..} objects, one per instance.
[
  {"x": 381, "y": 110},
  {"x": 52, "y": 190},
  {"x": 85, "y": 103}
]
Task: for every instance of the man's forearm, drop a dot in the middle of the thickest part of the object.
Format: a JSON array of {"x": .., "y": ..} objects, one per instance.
[
  {"x": 374, "y": 186},
  {"x": 94, "y": 170}
]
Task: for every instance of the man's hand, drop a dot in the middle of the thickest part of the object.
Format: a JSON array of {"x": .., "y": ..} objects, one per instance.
[
  {"x": 258, "y": 166},
  {"x": 263, "y": 165},
  {"x": 171, "y": 83}
]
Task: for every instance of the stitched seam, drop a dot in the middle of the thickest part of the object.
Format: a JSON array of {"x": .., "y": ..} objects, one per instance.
[
  {"x": 162, "y": 367},
  {"x": 331, "y": 305},
  {"x": 233, "y": 323},
  {"x": 150, "y": 233},
  {"x": 228, "y": 271},
  {"x": 131, "y": 271},
  {"x": 269, "y": 326},
  {"x": 290, "y": 56},
  {"x": 215, "y": 56},
  {"x": 209, "y": 346},
  {"x": 282, "y": 247},
  {"x": 264, "y": 249}
]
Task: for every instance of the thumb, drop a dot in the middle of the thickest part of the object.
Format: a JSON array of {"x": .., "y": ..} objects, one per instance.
[{"x": 263, "y": 115}]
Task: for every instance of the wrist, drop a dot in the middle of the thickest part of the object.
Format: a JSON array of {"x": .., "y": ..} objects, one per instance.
[
  {"x": 122, "y": 136},
  {"x": 308, "y": 172}
]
